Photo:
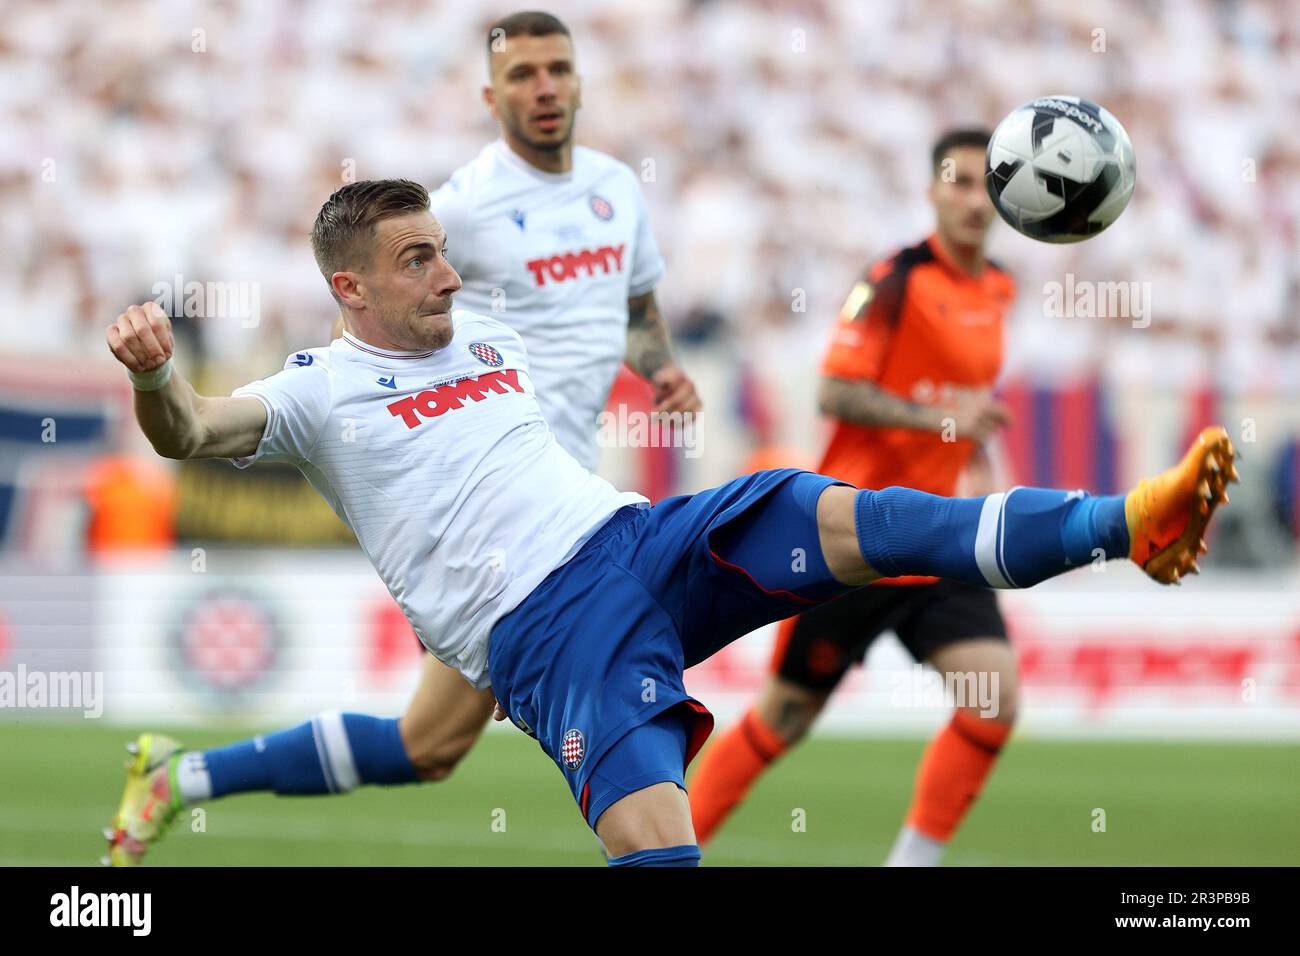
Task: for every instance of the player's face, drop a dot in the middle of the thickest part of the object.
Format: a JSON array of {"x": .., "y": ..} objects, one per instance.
[
  {"x": 408, "y": 286},
  {"x": 535, "y": 91},
  {"x": 962, "y": 208}
]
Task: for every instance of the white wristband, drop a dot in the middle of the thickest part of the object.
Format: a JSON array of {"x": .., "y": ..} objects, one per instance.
[{"x": 152, "y": 381}]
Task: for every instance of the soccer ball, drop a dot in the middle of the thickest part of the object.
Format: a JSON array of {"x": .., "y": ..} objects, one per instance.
[{"x": 1059, "y": 169}]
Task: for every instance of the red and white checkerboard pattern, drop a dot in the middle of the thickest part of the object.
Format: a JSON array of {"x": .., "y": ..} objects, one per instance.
[
  {"x": 486, "y": 354},
  {"x": 573, "y": 749}
]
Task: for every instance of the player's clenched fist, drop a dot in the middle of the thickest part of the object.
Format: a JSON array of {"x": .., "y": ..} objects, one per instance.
[{"x": 141, "y": 338}]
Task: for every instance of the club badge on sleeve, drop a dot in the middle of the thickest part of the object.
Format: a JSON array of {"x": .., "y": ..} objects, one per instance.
[{"x": 573, "y": 749}]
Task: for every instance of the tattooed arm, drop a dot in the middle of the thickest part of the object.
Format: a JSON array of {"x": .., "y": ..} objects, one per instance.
[
  {"x": 865, "y": 403},
  {"x": 650, "y": 355}
]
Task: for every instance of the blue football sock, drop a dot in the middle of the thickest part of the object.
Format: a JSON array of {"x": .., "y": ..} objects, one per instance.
[
  {"x": 1008, "y": 540},
  {"x": 331, "y": 753},
  {"x": 685, "y": 855}
]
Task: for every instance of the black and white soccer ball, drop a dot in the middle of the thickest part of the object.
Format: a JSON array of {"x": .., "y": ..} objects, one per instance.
[{"x": 1060, "y": 169}]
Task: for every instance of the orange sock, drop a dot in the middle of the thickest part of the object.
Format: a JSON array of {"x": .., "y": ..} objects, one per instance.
[
  {"x": 727, "y": 769},
  {"x": 952, "y": 773}
]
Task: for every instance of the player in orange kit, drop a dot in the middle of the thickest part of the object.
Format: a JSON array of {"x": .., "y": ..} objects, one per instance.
[{"x": 908, "y": 379}]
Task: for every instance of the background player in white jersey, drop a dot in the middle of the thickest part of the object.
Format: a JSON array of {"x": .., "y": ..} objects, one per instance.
[
  {"x": 554, "y": 240},
  {"x": 456, "y": 465}
]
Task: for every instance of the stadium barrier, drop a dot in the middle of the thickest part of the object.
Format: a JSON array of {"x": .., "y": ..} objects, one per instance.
[{"x": 265, "y": 637}]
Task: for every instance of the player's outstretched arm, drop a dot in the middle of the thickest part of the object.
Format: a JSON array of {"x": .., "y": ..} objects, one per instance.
[{"x": 179, "y": 422}]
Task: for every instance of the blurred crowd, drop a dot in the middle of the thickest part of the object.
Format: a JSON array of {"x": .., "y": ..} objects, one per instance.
[{"x": 782, "y": 145}]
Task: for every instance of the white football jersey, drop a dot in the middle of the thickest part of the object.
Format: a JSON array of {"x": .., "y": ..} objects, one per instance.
[
  {"x": 555, "y": 256},
  {"x": 443, "y": 466}
]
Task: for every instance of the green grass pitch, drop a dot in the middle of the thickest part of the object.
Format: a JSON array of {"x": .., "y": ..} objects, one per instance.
[{"x": 1164, "y": 803}]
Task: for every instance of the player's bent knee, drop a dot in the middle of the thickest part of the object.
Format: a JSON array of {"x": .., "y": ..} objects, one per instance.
[
  {"x": 429, "y": 768},
  {"x": 1001, "y": 705},
  {"x": 984, "y": 676},
  {"x": 434, "y": 772},
  {"x": 437, "y": 764},
  {"x": 1001, "y": 709},
  {"x": 433, "y": 757},
  {"x": 1009, "y": 697}
]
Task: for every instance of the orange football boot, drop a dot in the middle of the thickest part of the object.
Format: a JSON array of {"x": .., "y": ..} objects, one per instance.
[{"x": 1167, "y": 515}]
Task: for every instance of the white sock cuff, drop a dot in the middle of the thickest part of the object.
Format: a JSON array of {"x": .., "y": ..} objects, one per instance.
[
  {"x": 192, "y": 780},
  {"x": 335, "y": 751}
]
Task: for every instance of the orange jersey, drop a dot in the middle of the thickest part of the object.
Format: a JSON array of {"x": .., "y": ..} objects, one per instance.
[
  {"x": 132, "y": 504},
  {"x": 920, "y": 328}
]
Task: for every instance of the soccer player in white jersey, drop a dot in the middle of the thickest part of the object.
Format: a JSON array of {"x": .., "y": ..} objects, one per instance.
[
  {"x": 554, "y": 240},
  {"x": 603, "y": 596}
]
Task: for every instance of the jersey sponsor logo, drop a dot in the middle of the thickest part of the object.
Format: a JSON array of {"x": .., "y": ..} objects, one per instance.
[
  {"x": 602, "y": 208},
  {"x": 433, "y": 402},
  {"x": 486, "y": 354},
  {"x": 573, "y": 749},
  {"x": 567, "y": 265},
  {"x": 302, "y": 359},
  {"x": 390, "y": 382}
]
